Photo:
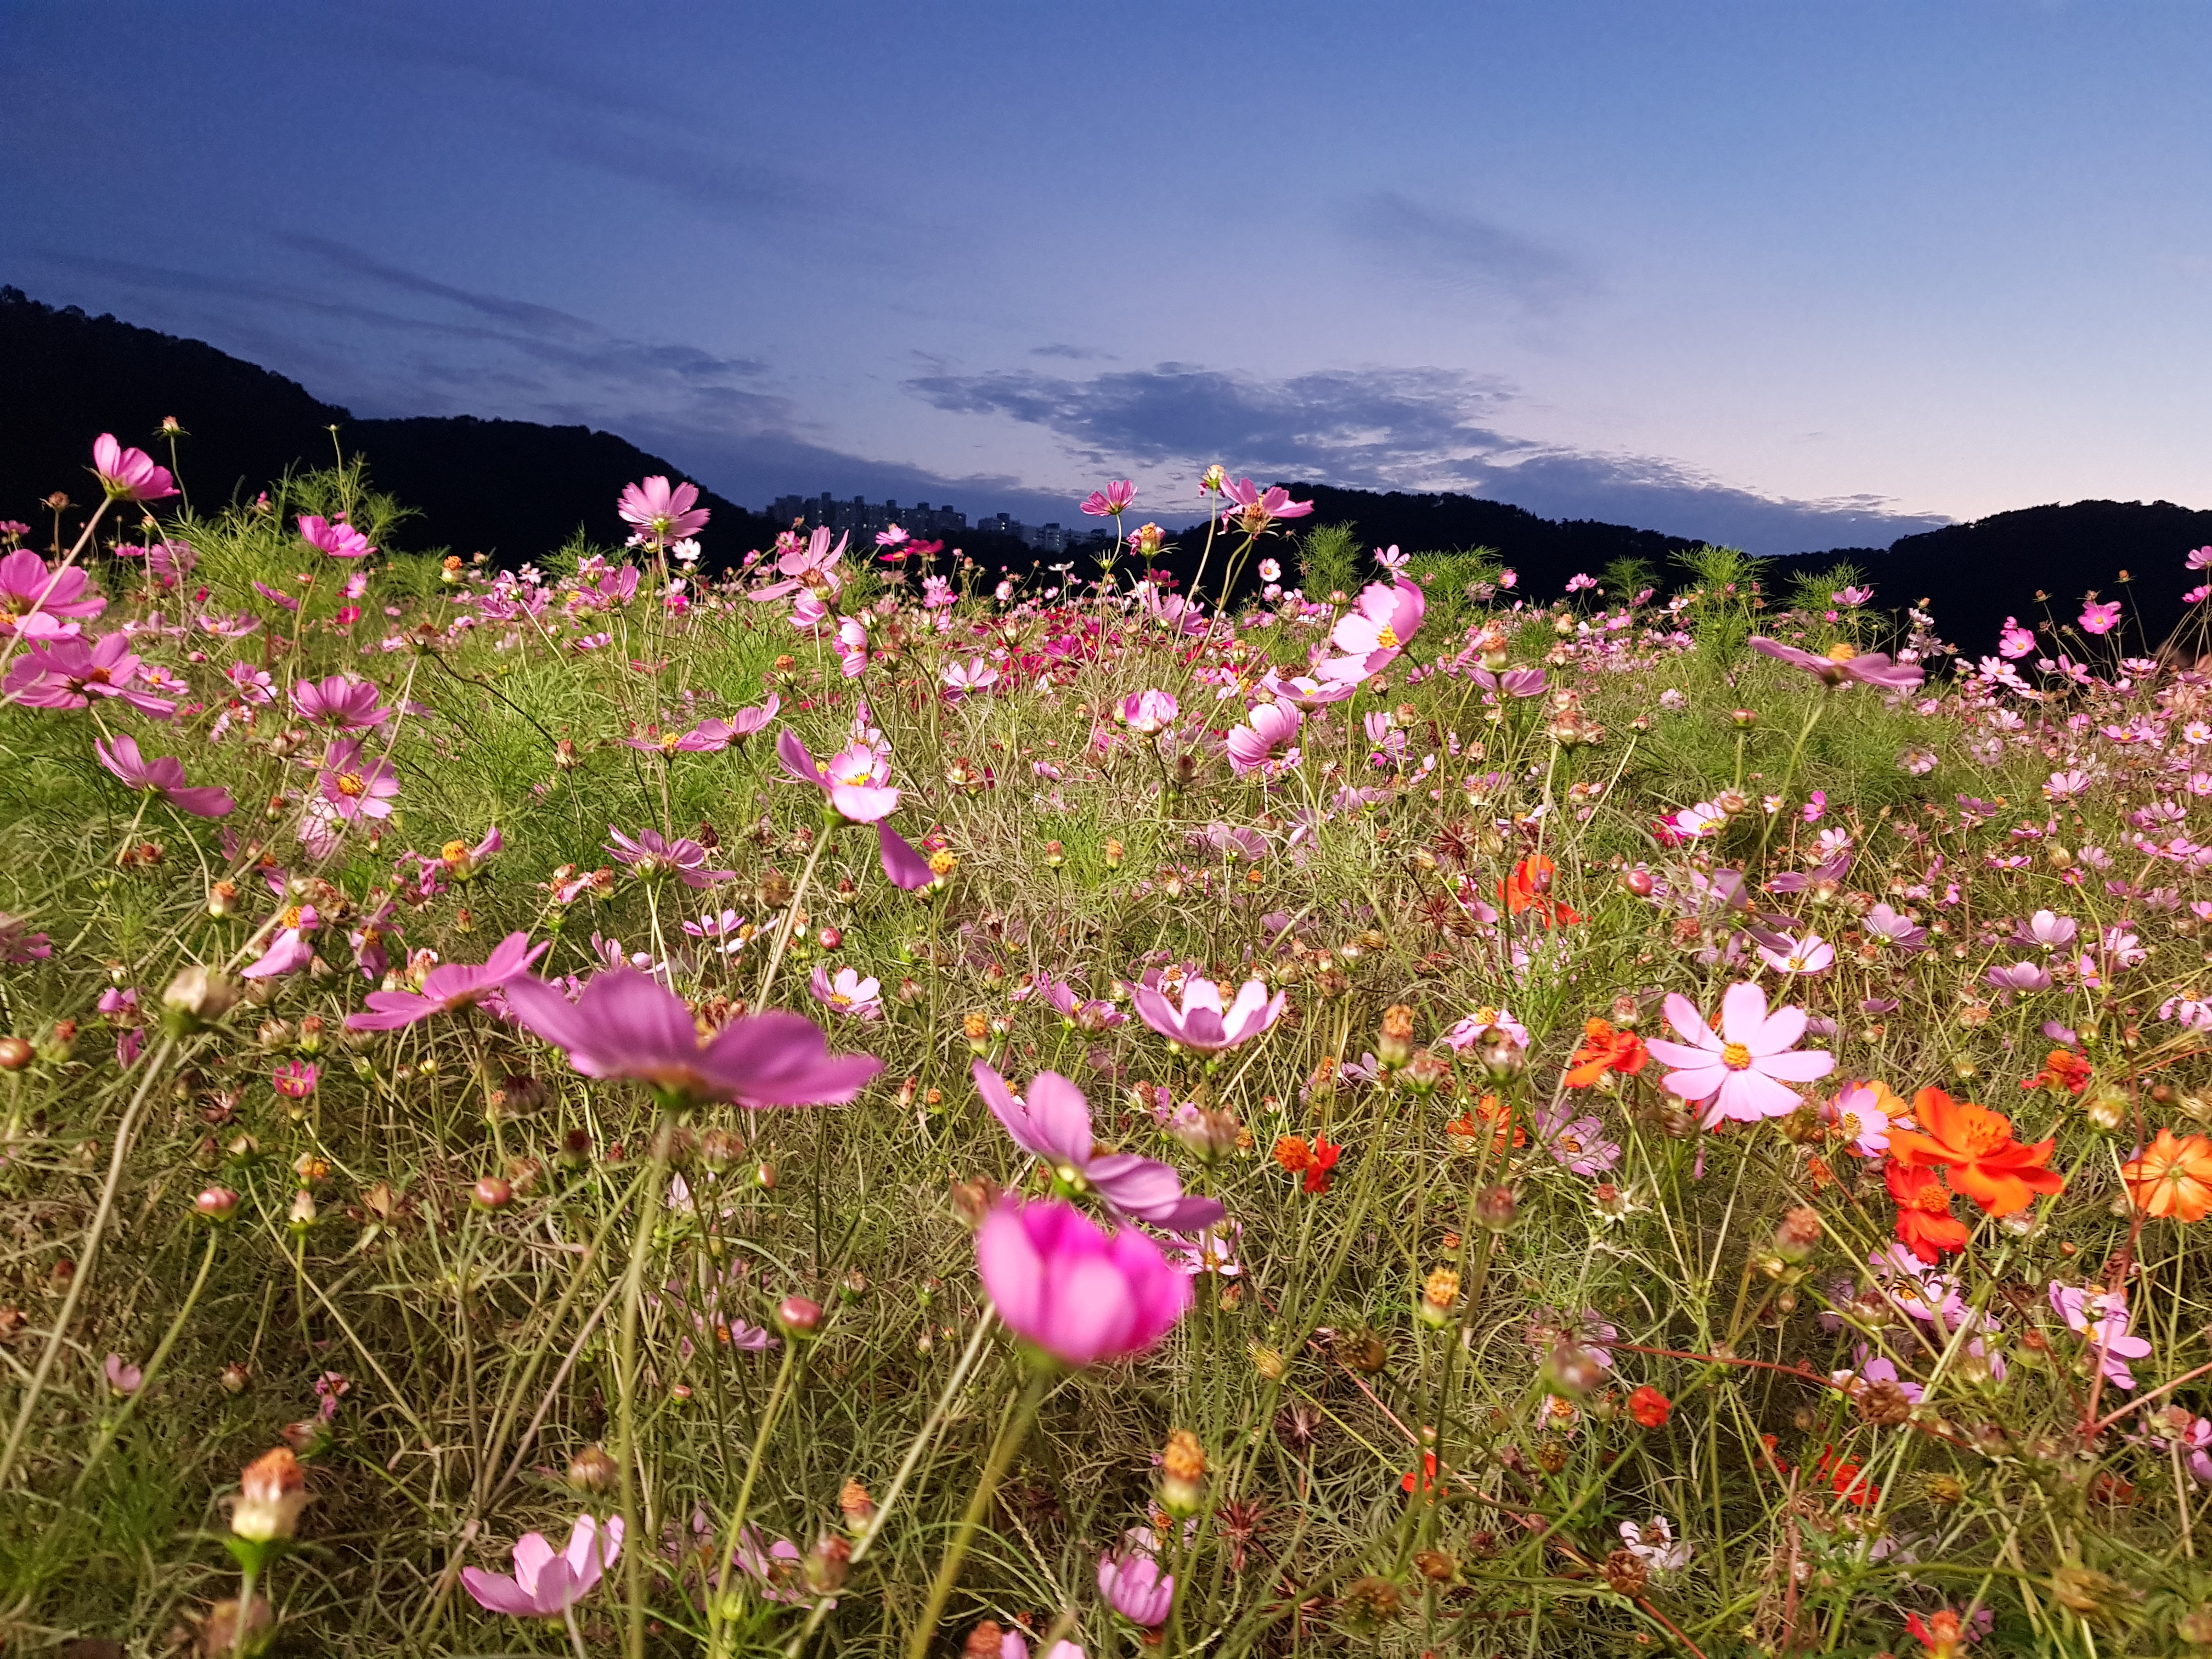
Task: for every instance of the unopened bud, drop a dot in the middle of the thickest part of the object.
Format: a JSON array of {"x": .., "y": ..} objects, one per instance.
[
  {"x": 1423, "y": 1073},
  {"x": 492, "y": 1192},
  {"x": 216, "y": 1204},
  {"x": 1498, "y": 1054},
  {"x": 272, "y": 1491},
  {"x": 858, "y": 1508},
  {"x": 197, "y": 996},
  {"x": 1183, "y": 1473},
  {"x": 302, "y": 1213},
  {"x": 592, "y": 1470},
  {"x": 14, "y": 1053},
  {"x": 234, "y": 1378},
  {"x": 825, "y": 1564},
  {"x": 1799, "y": 1235},
  {"x": 1638, "y": 882},
  {"x": 1495, "y": 1209},
  {"x": 796, "y": 1315},
  {"x": 1396, "y": 1040}
]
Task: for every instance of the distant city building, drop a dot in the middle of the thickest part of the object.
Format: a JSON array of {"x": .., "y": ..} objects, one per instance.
[{"x": 861, "y": 518}]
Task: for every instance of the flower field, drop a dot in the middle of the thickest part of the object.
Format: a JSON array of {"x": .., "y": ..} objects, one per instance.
[{"x": 820, "y": 1099}]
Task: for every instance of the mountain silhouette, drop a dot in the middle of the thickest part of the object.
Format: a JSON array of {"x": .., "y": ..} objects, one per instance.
[{"x": 514, "y": 488}]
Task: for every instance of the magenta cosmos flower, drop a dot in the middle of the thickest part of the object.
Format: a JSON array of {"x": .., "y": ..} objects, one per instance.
[
  {"x": 546, "y": 1585},
  {"x": 1131, "y": 1581},
  {"x": 1739, "y": 1071},
  {"x": 1147, "y": 712},
  {"x": 65, "y": 672},
  {"x": 164, "y": 777},
  {"x": 341, "y": 701},
  {"x": 449, "y": 986},
  {"x": 1843, "y": 664},
  {"x": 353, "y": 787},
  {"x": 1267, "y": 739},
  {"x": 1303, "y": 692},
  {"x": 1111, "y": 501},
  {"x": 129, "y": 475},
  {"x": 1202, "y": 1022},
  {"x": 1375, "y": 630},
  {"x": 660, "y": 514},
  {"x": 32, "y": 596},
  {"x": 334, "y": 537},
  {"x": 857, "y": 782},
  {"x": 1080, "y": 1294},
  {"x": 626, "y": 1025},
  {"x": 2099, "y": 618},
  {"x": 1243, "y": 500},
  {"x": 1053, "y": 1124},
  {"x": 650, "y": 855}
]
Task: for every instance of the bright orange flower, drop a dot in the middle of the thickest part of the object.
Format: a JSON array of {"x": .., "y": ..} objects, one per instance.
[
  {"x": 1650, "y": 1408},
  {"x": 2061, "y": 1069},
  {"x": 1849, "y": 1480},
  {"x": 1603, "y": 1050},
  {"x": 1925, "y": 1224},
  {"x": 2172, "y": 1177},
  {"x": 1976, "y": 1146},
  {"x": 1530, "y": 889},
  {"x": 1940, "y": 1635},
  {"x": 1292, "y": 1152},
  {"x": 1489, "y": 1109}
]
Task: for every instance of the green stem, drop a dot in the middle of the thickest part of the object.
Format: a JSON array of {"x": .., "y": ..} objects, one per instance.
[
  {"x": 733, "y": 1534},
  {"x": 626, "y": 1382},
  {"x": 152, "y": 1370},
  {"x": 791, "y": 915},
  {"x": 1012, "y": 1433},
  {"x": 1789, "y": 772}
]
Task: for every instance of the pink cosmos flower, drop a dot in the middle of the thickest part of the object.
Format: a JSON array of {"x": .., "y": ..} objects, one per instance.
[
  {"x": 1112, "y": 502},
  {"x": 976, "y": 675},
  {"x": 546, "y": 1585},
  {"x": 448, "y": 987},
  {"x": 1202, "y": 1022},
  {"x": 129, "y": 475},
  {"x": 2028, "y": 976},
  {"x": 1739, "y": 1071},
  {"x": 1305, "y": 693},
  {"x": 651, "y": 855},
  {"x": 2014, "y": 641},
  {"x": 1254, "y": 511},
  {"x": 2099, "y": 618},
  {"x": 626, "y": 1025},
  {"x": 857, "y": 779},
  {"x": 352, "y": 787},
  {"x": 37, "y": 602},
  {"x": 1842, "y": 663},
  {"x": 1081, "y": 1295},
  {"x": 1053, "y": 1123},
  {"x": 164, "y": 777},
  {"x": 848, "y": 993},
  {"x": 1375, "y": 630},
  {"x": 288, "y": 949},
  {"x": 813, "y": 566},
  {"x": 1511, "y": 682},
  {"x": 1809, "y": 955},
  {"x": 659, "y": 514},
  {"x": 1268, "y": 740},
  {"x": 1149, "y": 712},
  {"x": 2102, "y": 1316},
  {"x": 65, "y": 673},
  {"x": 334, "y": 537},
  {"x": 123, "y": 1379},
  {"x": 340, "y": 701},
  {"x": 1131, "y": 1581},
  {"x": 1858, "y": 1111}
]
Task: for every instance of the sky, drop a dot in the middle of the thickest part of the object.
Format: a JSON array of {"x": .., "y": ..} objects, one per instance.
[{"x": 1790, "y": 276}]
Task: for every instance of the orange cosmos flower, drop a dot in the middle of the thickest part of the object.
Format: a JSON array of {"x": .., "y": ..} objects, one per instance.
[
  {"x": 2062, "y": 1069},
  {"x": 1603, "y": 1050},
  {"x": 1467, "y": 1132},
  {"x": 1925, "y": 1224},
  {"x": 1530, "y": 888},
  {"x": 2172, "y": 1176},
  {"x": 1650, "y": 1408},
  {"x": 1976, "y": 1147}
]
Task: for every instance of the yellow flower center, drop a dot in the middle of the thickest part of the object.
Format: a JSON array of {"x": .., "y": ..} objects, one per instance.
[
  {"x": 454, "y": 851},
  {"x": 290, "y": 918},
  {"x": 1386, "y": 637},
  {"x": 1840, "y": 653},
  {"x": 1736, "y": 1057},
  {"x": 349, "y": 783}
]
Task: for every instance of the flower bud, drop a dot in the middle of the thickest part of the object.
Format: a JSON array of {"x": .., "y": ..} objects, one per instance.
[
  {"x": 797, "y": 1316},
  {"x": 197, "y": 996},
  {"x": 491, "y": 1192},
  {"x": 1575, "y": 1369},
  {"x": 1439, "y": 1296},
  {"x": 1424, "y": 1072},
  {"x": 1498, "y": 1054},
  {"x": 272, "y": 1491},
  {"x": 14, "y": 1053},
  {"x": 1744, "y": 719},
  {"x": 825, "y": 1564},
  {"x": 1207, "y": 1132},
  {"x": 1495, "y": 1209},
  {"x": 1183, "y": 1473},
  {"x": 1638, "y": 882},
  {"x": 1268, "y": 1362},
  {"x": 1396, "y": 1040},
  {"x": 593, "y": 1471},
  {"x": 831, "y": 937},
  {"x": 1799, "y": 1235},
  {"x": 1113, "y": 855},
  {"x": 234, "y": 1378},
  {"x": 858, "y": 1508},
  {"x": 216, "y": 1204},
  {"x": 302, "y": 1213}
]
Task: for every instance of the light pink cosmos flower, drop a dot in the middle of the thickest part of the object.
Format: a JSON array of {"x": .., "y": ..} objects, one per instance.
[
  {"x": 626, "y": 1025},
  {"x": 650, "y": 854},
  {"x": 2099, "y": 618},
  {"x": 1130, "y": 1580},
  {"x": 65, "y": 673},
  {"x": 1305, "y": 693},
  {"x": 1053, "y": 1123},
  {"x": 1253, "y": 510},
  {"x": 2014, "y": 641},
  {"x": 1202, "y": 1022},
  {"x": 1843, "y": 664},
  {"x": 1081, "y": 1295},
  {"x": 1377, "y": 627},
  {"x": 1266, "y": 741},
  {"x": 164, "y": 777},
  {"x": 448, "y": 987},
  {"x": 129, "y": 475},
  {"x": 1150, "y": 712},
  {"x": 335, "y": 536},
  {"x": 39, "y": 602},
  {"x": 2102, "y": 1316},
  {"x": 848, "y": 993},
  {"x": 659, "y": 514},
  {"x": 340, "y": 701},
  {"x": 1739, "y": 1071},
  {"x": 1111, "y": 501},
  {"x": 1809, "y": 955},
  {"x": 546, "y": 1585},
  {"x": 856, "y": 778},
  {"x": 1511, "y": 682},
  {"x": 813, "y": 566},
  {"x": 353, "y": 787},
  {"x": 975, "y": 675},
  {"x": 1859, "y": 1112},
  {"x": 123, "y": 1379},
  {"x": 851, "y": 647}
]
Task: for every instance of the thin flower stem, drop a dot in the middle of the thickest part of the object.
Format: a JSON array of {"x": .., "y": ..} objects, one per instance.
[
  {"x": 791, "y": 913},
  {"x": 152, "y": 1368},
  {"x": 626, "y": 1382},
  {"x": 717, "y": 1585},
  {"x": 1012, "y": 1433}
]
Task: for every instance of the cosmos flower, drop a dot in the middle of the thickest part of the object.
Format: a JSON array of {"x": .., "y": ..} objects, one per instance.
[
  {"x": 335, "y": 536},
  {"x": 1253, "y": 510},
  {"x": 1053, "y": 1123},
  {"x": 352, "y": 787},
  {"x": 63, "y": 671},
  {"x": 36, "y": 602},
  {"x": 650, "y": 854},
  {"x": 546, "y": 1585},
  {"x": 1739, "y": 1071},
  {"x": 1975, "y": 1148},
  {"x": 1267, "y": 740},
  {"x": 1377, "y": 627},
  {"x": 164, "y": 777},
  {"x": 2102, "y": 1316},
  {"x": 2099, "y": 618},
  {"x": 1202, "y": 1022},
  {"x": 660, "y": 514},
  {"x": 340, "y": 701},
  {"x": 1111, "y": 501},
  {"x": 848, "y": 993},
  {"x": 1133, "y": 1584},
  {"x": 448, "y": 987},
  {"x": 1843, "y": 664},
  {"x": 626, "y": 1025},
  {"x": 2171, "y": 1176},
  {"x": 129, "y": 475},
  {"x": 1081, "y": 1295}
]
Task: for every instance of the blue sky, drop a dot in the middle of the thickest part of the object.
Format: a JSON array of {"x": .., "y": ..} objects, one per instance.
[{"x": 1788, "y": 275}]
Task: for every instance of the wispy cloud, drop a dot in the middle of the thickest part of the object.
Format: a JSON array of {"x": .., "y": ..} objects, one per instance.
[
  {"x": 1461, "y": 251},
  {"x": 1411, "y": 429}
]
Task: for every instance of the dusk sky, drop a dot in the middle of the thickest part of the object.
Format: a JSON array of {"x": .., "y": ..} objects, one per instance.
[{"x": 1786, "y": 274}]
